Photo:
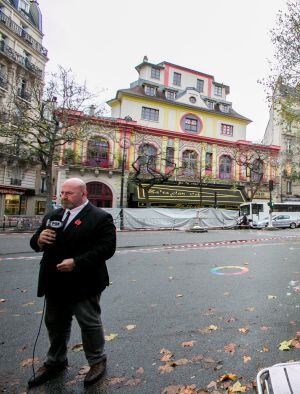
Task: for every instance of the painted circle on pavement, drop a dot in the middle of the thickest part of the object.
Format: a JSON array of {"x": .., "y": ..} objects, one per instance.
[{"x": 218, "y": 270}]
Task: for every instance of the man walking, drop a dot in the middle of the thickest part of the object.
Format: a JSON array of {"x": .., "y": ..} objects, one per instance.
[{"x": 76, "y": 241}]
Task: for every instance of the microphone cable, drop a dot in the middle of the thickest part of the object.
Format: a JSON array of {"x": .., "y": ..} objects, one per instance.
[{"x": 37, "y": 337}]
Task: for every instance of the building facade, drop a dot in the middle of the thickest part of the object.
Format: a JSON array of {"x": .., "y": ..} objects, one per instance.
[
  {"x": 283, "y": 130},
  {"x": 173, "y": 140},
  {"x": 22, "y": 63}
]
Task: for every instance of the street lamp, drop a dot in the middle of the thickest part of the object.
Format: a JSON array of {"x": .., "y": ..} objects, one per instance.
[{"x": 124, "y": 147}]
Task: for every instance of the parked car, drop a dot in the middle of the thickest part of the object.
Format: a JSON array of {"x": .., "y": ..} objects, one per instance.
[{"x": 278, "y": 221}]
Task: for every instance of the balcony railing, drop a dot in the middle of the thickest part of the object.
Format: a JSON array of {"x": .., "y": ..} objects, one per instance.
[
  {"x": 3, "y": 82},
  {"x": 16, "y": 57},
  {"x": 23, "y": 34},
  {"x": 100, "y": 163},
  {"x": 24, "y": 94}
]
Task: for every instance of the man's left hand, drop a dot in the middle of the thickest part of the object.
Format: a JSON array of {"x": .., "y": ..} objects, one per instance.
[{"x": 66, "y": 265}]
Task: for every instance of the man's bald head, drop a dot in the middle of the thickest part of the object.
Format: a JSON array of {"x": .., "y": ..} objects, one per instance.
[{"x": 73, "y": 193}]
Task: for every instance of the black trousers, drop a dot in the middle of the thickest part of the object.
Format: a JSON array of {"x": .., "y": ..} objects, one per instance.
[{"x": 58, "y": 320}]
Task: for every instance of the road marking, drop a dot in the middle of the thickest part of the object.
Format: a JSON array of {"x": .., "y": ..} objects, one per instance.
[
  {"x": 182, "y": 247},
  {"x": 242, "y": 270}
]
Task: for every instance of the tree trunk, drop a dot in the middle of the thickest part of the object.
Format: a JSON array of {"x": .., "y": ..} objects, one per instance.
[{"x": 49, "y": 185}]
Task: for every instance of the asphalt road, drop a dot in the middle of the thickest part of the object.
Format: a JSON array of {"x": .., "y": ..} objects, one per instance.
[{"x": 166, "y": 290}]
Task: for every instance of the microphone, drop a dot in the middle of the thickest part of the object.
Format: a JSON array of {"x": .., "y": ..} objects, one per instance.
[{"x": 55, "y": 223}]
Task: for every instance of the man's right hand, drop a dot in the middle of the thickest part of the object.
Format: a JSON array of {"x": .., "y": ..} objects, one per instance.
[{"x": 47, "y": 237}]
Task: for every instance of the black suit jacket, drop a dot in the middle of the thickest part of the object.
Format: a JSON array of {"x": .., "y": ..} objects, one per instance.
[{"x": 90, "y": 239}]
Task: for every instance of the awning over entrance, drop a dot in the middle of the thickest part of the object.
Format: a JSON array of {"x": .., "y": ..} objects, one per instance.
[{"x": 178, "y": 195}]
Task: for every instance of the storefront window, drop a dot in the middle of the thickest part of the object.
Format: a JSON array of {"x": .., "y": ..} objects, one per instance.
[
  {"x": 40, "y": 207},
  {"x": 15, "y": 204}
]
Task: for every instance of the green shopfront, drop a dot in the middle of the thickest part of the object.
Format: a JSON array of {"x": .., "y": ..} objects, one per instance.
[{"x": 186, "y": 195}]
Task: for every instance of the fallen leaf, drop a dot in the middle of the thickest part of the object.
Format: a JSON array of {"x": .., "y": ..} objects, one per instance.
[
  {"x": 165, "y": 368},
  {"x": 237, "y": 388},
  {"x": 140, "y": 371},
  {"x": 226, "y": 294},
  {"x": 29, "y": 303},
  {"x": 244, "y": 330},
  {"x": 130, "y": 327},
  {"x": 246, "y": 359},
  {"x": 115, "y": 380},
  {"x": 179, "y": 295},
  {"x": 230, "y": 348},
  {"x": 24, "y": 291},
  {"x": 3, "y": 300},
  {"x": 285, "y": 345},
  {"x": 132, "y": 382},
  {"x": 84, "y": 370},
  {"x": 265, "y": 328},
  {"x": 28, "y": 362},
  {"x": 196, "y": 359},
  {"x": 271, "y": 297},
  {"x": 212, "y": 385},
  {"x": 110, "y": 337},
  {"x": 212, "y": 327},
  {"x": 208, "y": 360},
  {"x": 167, "y": 355},
  {"x": 231, "y": 319},
  {"x": 265, "y": 349},
  {"x": 181, "y": 361},
  {"x": 77, "y": 348},
  {"x": 227, "y": 376},
  {"x": 188, "y": 344},
  {"x": 191, "y": 389},
  {"x": 250, "y": 309}
]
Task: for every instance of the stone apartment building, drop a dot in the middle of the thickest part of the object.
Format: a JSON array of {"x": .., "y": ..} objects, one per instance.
[
  {"x": 22, "y": 62},
  {"x": 284, "y": 132}
]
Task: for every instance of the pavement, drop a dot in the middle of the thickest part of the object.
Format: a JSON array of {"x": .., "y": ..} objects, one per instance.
[{"x": 168, "y": 300}]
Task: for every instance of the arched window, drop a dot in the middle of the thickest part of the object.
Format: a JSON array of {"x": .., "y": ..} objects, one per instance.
[
  {"x": 225, "y": 167},
  {"x": 189, "y": 162},
  {"x": 257, "y": 170},
  {"x": 97, "y": 152},
  {"x": 147, "y": 156}
]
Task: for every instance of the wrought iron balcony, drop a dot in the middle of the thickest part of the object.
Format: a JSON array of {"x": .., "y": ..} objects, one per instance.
[
  {"x": 3, "y": 82},
  {"x": 24, "y": 94},
  {"x": 97, "y": 163},
  {"x": 22, "y": 60},
  {"x": 23, "y": 34}
]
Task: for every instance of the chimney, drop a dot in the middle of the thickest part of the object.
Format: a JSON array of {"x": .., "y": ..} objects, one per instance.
[{"x": 92, "y": 110}]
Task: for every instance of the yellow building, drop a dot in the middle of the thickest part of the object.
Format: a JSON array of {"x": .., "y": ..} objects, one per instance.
[{"x": 173, "y": 140}]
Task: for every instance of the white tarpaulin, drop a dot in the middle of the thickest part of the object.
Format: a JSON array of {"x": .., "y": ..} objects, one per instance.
[{"x": 173, "y": 218}]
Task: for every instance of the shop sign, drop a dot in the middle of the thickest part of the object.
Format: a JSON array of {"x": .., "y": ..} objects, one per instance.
[{"x": 11, "y": 191}]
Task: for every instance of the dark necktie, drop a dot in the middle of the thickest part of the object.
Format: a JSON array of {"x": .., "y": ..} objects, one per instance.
[{"x": 65, "y": 221}]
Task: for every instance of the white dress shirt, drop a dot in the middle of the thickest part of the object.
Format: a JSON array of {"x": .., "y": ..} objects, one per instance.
[{"x": 73, "y": 212}]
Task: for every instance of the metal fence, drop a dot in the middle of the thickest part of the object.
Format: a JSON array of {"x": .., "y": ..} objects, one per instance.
[{"x": 20, "y": 223}]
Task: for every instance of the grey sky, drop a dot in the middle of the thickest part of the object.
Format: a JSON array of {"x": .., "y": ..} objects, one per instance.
[{"x": 102, "y": 41}]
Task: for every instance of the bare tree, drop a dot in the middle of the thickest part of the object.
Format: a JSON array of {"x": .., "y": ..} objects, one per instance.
[
  {"x": 282, "y": 85},
  {"x": 44, "y": 119},
  {"x": 146, "y": 175},
  {"x": 253, "y": 162}
]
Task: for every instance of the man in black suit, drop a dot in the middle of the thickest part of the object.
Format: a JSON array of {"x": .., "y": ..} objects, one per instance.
[{"x": 76, "y": 241}]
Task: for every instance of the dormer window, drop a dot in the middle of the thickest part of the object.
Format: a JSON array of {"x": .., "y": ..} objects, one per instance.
[
  {"x": 170, "y": 95},
  {"x": 224, "y": 108},
  {"x": 210, "y": 104},
  {"x": 200, "y": 85},
  {"x": 24, "y": 6},
  {"x": 155, "y": 73},
  {"x": 218, "y": 90},
  {"x": 176, "y": 79},
  {"x": 150, "y": 90}
]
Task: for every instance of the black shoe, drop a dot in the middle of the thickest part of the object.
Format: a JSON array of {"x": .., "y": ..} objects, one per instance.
[
  {"x": 46, "y": 372},
  {"x": 95, "y": 373}
]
